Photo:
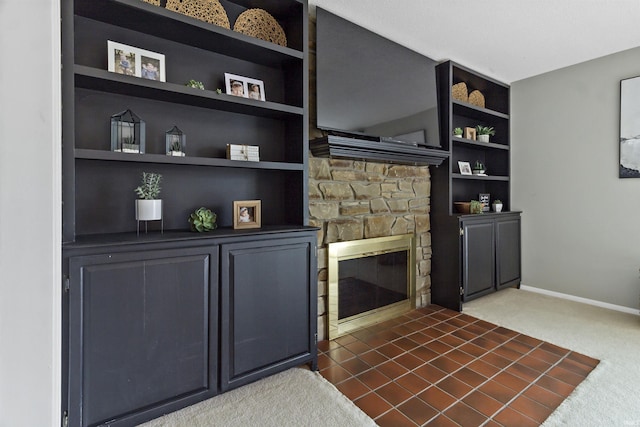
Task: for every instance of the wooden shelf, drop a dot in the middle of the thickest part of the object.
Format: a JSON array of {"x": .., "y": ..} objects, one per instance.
[
  {"x": 477, "y": 144},
  {"x": 149, "y": 19},
  {"x": 105, "y": 81},
  {"x": 193, "y": 161},
  {"x": 465, "y": 109},
  {"x": 480, "y": 178}
]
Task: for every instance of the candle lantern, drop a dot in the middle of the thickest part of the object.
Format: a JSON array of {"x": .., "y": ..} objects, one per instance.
[
  {"x": 176, "y": 142},
  {"x": 127, "y": 133}
]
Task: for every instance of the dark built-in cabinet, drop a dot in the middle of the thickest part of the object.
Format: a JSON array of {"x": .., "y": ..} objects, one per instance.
[
  {"x": 472, "y": 254},
  {"x": 157, "y": 325},
  {"x": 157, "y": 321}
]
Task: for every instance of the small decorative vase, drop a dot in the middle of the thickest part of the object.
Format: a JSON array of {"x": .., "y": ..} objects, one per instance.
[
  {"x": 148, "y": 210},
  {"x": 483, "y": 138},
  {"x": 497, "y": 207}
]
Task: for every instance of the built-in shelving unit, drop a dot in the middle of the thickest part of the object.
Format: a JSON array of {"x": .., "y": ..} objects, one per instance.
[
  {"x": 156, "y": 321},
  {"x": 467, "y": 263}
]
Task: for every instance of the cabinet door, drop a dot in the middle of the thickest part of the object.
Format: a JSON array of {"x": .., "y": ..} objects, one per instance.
[
  {"x": 142, "y": 334},
  {"x": 269, "y": 305},
  {"x": 478, "y": 258},
  {"x": 508, "y": 252}
]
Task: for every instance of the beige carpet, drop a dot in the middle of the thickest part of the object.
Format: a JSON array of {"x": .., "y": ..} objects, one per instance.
[
  {"x": 610, "y": 396},
  {"x": 295, "y": 398}
]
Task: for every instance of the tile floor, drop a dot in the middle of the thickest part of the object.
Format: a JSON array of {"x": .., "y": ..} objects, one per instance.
[{"x": 437, "y": 367}]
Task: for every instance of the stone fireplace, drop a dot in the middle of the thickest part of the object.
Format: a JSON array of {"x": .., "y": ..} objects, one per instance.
[{"x": 351, "y": 200}]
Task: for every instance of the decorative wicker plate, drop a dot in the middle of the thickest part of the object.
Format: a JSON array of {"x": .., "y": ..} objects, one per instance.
[
  {"x": 155, "y": 2},
  {"x": 260, "y": 24},
  {"x": 459, "y": 92},
  {"x": 476, "y": 98},
  {"x": 210, "y": 11}
]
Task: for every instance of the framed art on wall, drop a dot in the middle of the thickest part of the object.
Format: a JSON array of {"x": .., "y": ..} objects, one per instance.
[{"x": 630, "y": 128}]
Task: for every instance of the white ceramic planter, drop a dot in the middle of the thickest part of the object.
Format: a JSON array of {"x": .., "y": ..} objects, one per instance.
[
  {"x": 148, "y": 210},
  {"x": 483, "y": 138},
  {"x": 497, "y": 207}
]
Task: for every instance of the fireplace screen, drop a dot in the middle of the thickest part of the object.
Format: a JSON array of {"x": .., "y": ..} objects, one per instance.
[{"x": 370, "y": 280}]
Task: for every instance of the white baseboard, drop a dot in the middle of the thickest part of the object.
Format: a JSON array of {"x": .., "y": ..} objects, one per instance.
[{"x": 582, "y": 300}]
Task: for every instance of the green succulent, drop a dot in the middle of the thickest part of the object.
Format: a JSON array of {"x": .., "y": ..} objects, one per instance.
[
  {"x": 149, "y": 189},
  {"x": 195, "y": 84},
  {"x": 457, "y": 131},
  {"x": 202, "y": 219},
  {"x": 485, "y": 130},
  {"x": 475, "y": 207}
]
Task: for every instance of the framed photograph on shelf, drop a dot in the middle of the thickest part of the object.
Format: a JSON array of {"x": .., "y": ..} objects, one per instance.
[
  {"x": 484, "y": 198},
  {"x": 246, "y": 214},
  {"x": 470, "y": 133},
  {"x": 465, "y": 168},
  {"x": 244, "y": 86},
  {"x": 133, "y": 61}
]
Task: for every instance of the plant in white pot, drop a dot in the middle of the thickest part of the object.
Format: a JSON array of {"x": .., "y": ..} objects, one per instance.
[
  {"x": 457, "y": 132},
  {"x": 148, "y": 205},
  {"x": 484, "y": 132},
  {"x": 497, "y": 205}
]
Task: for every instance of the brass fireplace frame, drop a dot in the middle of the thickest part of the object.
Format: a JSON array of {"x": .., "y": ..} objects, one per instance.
[{"x": 359, "y": 249}]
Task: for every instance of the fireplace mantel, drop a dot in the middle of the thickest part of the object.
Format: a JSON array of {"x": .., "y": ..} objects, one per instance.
[{"x": 376, "y": 150}]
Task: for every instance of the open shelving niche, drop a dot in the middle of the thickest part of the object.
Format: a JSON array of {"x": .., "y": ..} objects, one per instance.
[
  {"x": 453, "y": 186},
  {"x": 98, "y": 183}
]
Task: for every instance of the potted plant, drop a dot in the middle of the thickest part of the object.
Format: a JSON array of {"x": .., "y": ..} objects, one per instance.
[
  {"x": 148, "y": 206},
  {"x": 475, "y": 207},
  {"x": 457, "y": 132},
  {"x": 497, "y": 205},
  {"x": 478, "y": 168},
  {"x": 202, "y": 219},
  {"x": 484, "y": 132}
]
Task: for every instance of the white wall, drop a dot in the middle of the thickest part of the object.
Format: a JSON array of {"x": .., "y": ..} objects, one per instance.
[
  {"x": 581, "y": 223},
  {"x": 30, "y": 213}
]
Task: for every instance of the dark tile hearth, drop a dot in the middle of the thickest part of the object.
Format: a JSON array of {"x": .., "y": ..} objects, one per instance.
[{"x": 437, "y": 367}]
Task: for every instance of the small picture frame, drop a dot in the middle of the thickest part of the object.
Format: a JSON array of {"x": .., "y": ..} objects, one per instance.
[
  {"x": 465, "y": 168},
  {"x": 470, "y": 133},
  {"x": 246, "y": 214},
  {"x": 244, "y": 87},
  {"x": 484, "y": 198},
  {"x": 133, "y": 61}
]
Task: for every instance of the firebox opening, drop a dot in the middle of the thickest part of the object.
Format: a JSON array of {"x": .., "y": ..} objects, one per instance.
[{"x": 370, "y": 281}]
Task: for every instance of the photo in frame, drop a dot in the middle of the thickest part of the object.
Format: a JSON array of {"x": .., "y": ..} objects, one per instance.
[
  {"x": 133, "y": 61},
  {"x": 484, "y": 198},
  {"x": 630, "y": 128},
  {"x": 247, "y": 214},
  {"x": 245, "y": 87},
  {"x": 465, "y": 168}
]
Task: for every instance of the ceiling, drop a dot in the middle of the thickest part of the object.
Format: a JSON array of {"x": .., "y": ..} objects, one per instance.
[{"x": 508, "y": 40}]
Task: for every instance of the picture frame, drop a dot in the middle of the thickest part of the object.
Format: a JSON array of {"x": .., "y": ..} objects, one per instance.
[
  {"x": 470, "y": 133},
  {"x": 629, "y": 128},
  {"x": 244, "y": 87},
  {"x": 485, "y": 199},
  {"x": 133, "y": 61},
  {"x": 247, "y": 214},
  {"x": 465, "y": 168}
]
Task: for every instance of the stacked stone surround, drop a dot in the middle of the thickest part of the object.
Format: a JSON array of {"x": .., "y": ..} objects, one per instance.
[{"x": 353, "y": 200}]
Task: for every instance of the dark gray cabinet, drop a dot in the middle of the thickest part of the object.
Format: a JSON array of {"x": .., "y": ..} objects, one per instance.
[
  {"x": 153, "y": 326},
  {"x": 490, "y": 253},
  {"x": 268, "y": 308},
  {"x": 143, "y": 333}
]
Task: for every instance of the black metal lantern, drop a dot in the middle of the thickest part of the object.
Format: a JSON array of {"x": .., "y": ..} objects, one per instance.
[
  {"x": 176, "y": 142},
  {"x": 127, "y": 133}
]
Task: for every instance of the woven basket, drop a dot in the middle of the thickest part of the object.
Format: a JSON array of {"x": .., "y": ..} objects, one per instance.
[
  {"x": 476, "y": 98},
  {"x": 260, "y": 24},
  {"x": 459, "y": 92},
  {"x": 210, "y": 11},
  {"x": 154, "y": 2}
]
